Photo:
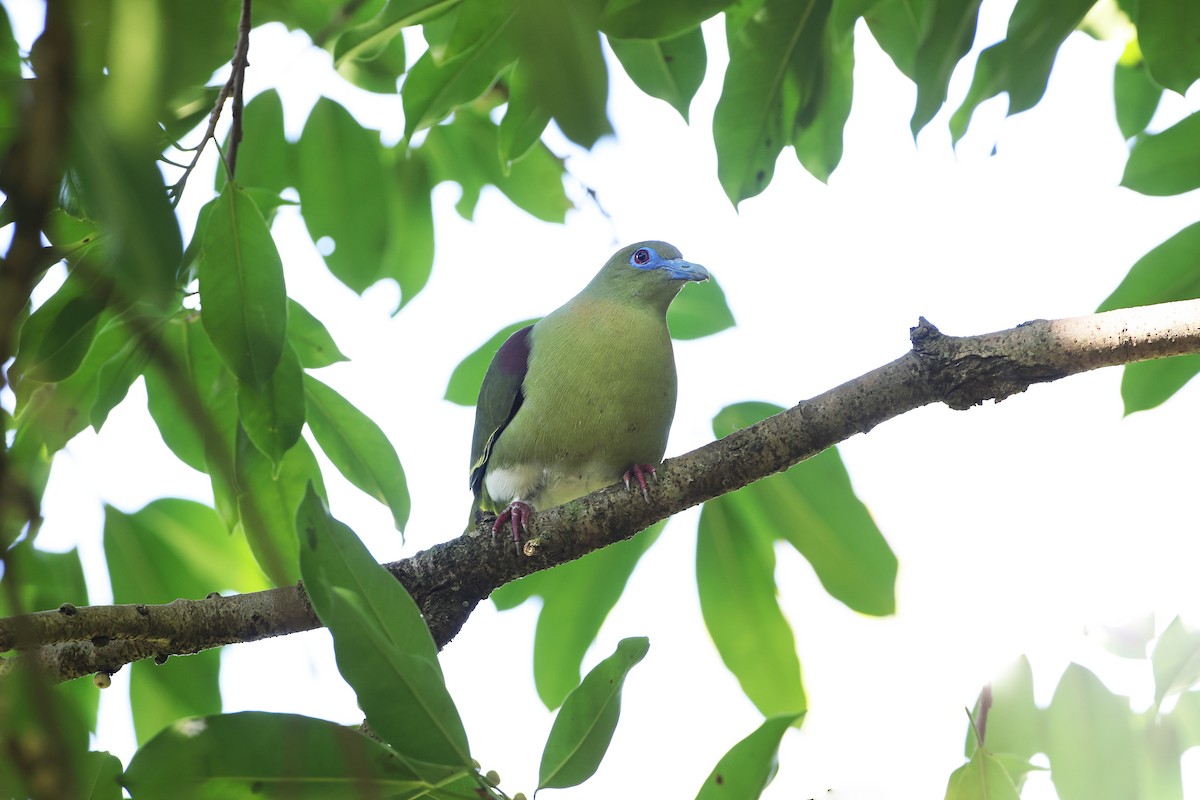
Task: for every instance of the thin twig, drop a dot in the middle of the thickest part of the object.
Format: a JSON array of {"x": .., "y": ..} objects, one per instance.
[{"x": 233, "y": 86}]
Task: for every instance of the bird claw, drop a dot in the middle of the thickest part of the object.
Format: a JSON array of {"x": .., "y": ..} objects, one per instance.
[
  {"x": 639, "y": 472},
  {"x": 517, "y": 514}
]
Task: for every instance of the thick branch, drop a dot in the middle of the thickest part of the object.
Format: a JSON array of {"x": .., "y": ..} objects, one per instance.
[{"x": 448, "y": 580}]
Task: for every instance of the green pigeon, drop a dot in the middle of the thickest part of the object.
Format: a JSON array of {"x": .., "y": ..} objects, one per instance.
[{"x": 585, "y": 397}]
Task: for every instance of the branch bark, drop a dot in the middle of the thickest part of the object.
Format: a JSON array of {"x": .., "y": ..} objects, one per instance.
[{"x": 448, "y": 580}]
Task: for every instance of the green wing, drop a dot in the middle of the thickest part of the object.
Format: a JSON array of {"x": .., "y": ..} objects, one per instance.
[{"x": 500, "y": 396}]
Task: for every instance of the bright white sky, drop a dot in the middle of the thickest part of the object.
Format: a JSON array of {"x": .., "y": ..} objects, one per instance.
[{"x": 1017, "y": 526}]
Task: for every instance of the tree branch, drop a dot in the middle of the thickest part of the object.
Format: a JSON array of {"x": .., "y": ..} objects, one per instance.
[{"x": 448, "y": 580}]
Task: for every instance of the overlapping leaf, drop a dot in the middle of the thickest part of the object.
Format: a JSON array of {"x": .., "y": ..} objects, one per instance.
[
  {"x": 669, "y": 69},
  {"x": 585, "y": 725},
  {"x": 383, "y": 646},
  {"x": 750, "y": 765}
]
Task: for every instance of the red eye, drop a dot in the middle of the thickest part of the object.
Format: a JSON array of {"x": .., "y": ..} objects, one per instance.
[{"x": 641, "y": 256}]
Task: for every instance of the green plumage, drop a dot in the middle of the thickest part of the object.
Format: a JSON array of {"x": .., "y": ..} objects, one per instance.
[{"x": 571, "y": 404}]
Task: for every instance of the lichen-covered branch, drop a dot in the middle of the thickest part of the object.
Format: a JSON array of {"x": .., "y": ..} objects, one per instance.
[{"x": 450, "y": 579}]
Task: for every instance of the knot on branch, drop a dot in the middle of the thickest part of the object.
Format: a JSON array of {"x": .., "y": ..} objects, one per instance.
[{"x": 966, "y": 371}]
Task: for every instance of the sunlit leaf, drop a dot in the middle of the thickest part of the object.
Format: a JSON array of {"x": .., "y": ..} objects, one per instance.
[
  {"x": 774, "y": 58},
  {"x": 1014, "y": 721},
  {"x": 383, "y": 646},
  {"x": 945, "y": 37},
  {"x": 343, "y": 193},
  {"x": 657, "y": 19},
  {"x": 982, "y": 778},
  {"x": 1136, "y": 97},
  {"x": 264, "y": 155},
  {"x": 1089, "y": 740},
  {"x": 311, "y": 339},
  {"x": 735, "y": 577},
  {"x": 1167, "y": 35},
  {"x": 750, "y": 765},
  {"x": 1166, "y": 273},
  {"x": 560, "y": 45},
  {"x": 100, "y": 776},
  {"x": 432, "y": 91},
  {"x": 585, "y": 725},
  {"x": 1176, "y": 660},
  {"x": 524, "y": 119},
  {"x": 1020, "y": 64},
  {"x": 813, "y": 507},
  {"x": 242, "y": 289},
  {"x": 818, "y": 136},
  {"x": 357, "y": 447},
  {"x": 1166, "y": 163},
  {"x": 669, "y": 69},
  {"x": 1149, "y": 384},
  {"x": 409, "y": 255},
  {"x": 273, "y": 414}
]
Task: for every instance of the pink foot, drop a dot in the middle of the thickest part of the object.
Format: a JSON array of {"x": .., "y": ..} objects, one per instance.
[
  {"x": 516, "y": 514},
  {"x": 639, "y": 473}
]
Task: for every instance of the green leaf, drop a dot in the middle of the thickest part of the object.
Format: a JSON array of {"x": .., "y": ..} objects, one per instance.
[
  {"x": 467, "y": 377},
  {"x": 376, "y": 68},
  {"x": 584, "y": 727},
  {"x": 432, "y": 90},
  {"x": 1130, "y": 639},
  {"x": 898, "y": 27},
  {"x": 657, "y": 19},
  {"x": 750, "y": 765},
  {"x": 360, "y": 42},
  {"x": 174, "y": 548},
  {"x": 813, "y": 507},
  {"x": 343, "y": 192},
  {"x": 264, "y": 155},
  {"x": 1166, "y": 273},
  {"x": 409, "y": 256},
  {"x": 1136, "y": 97},
  {"x": 774, "y": 62},
  {"x": 1165, "y": 163},
  {"x": 276, "y": 756},
  {"x": 54, "y": 413},
  {"x": 273, "y": 415},
  {"x": 818, "y": 136},
  {"x": 188, "y": 381},
  {"x": 267, "y": 499},
  {"x": 524, "y": 119},
  {"x": 982, "y": 778},
  {"x": 40, "y": 580},
  {"x": 310, "y": 339},
  {"x": 122, "y": 188},
  {"x": 182, "y": 687},
  {"x": 1176, "y": 661},
  {"x": 120, "y": 371},
  {"x": 576, "y": 599},
  {"x": 560, "y": 45},
  {"x": 1014, "y": 720},
  {"x": 735, "y": 567},
  {"x": 357, "y": 447},
  {"x": 1184, "y": 721},
  {"x": 57, "y": 335},
  {"x": 465, "y": 151},
  {"x": 700, "y": 311},
  {"x": 1089, "y": 740},
  {"x": 1167, "y": 31},
  {"x": 1149, "y": 384},
  {"x": 946, "y": 37},
  {"x": 669, "y": 69},
  {"x": 100, "y": 776},
  {"x": 383, "y": 647},
  {"x": 1020, "y": 64},
  {"x": 242, "y": 290}
]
